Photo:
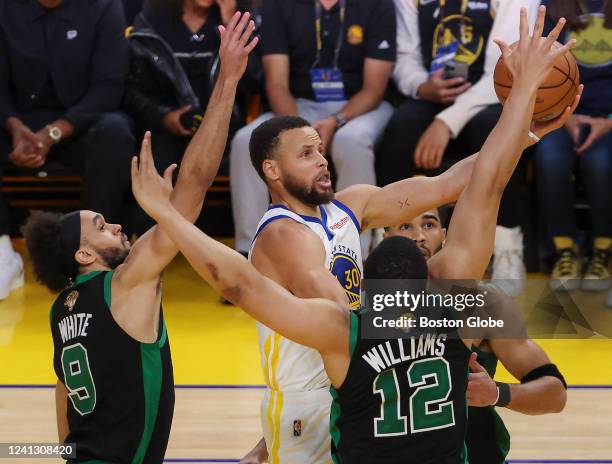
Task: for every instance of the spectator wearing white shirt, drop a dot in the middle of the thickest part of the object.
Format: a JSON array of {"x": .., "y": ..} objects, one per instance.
[{"x": 446, "y": 58}]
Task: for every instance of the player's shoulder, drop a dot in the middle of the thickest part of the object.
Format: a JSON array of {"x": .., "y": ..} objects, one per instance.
[{"x": 283, "y": 234}]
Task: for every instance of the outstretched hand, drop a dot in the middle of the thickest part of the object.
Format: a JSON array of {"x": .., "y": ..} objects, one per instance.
[
  {"x": 152, "y": 191},
  {"x": 530, "y": 60},
  {"x": 235, "y": 46}
]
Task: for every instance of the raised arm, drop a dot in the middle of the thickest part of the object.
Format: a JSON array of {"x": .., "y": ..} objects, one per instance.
[
  {"x": 540, "y": 391},
  {"x": 469, "y": 242},
  {"x": 540, "y": 395},
  {"x": 312, "y": 322},
  {"x": 154, "y": 250},
  {"x": 401, "y": 201}
]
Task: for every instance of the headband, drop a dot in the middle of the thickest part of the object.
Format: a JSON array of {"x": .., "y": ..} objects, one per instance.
[{"x": 70, "y": 242}]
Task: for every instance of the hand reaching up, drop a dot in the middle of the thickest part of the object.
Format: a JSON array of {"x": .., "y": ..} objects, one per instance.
[
  {"x": 531, "y": 59},
  {"x": 152, "y": 191},
  {"x": 235, "y": 46}
]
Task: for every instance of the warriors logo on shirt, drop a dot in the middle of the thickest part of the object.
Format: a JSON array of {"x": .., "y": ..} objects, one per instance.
[
  {"x": 594, "y": 43},
  {"x": 348, "y": 274}
]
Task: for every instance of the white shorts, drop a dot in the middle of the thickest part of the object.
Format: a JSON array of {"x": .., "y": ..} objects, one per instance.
[{"x": 296, "y": 426}]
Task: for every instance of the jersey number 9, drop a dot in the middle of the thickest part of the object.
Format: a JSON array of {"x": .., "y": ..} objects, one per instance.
[{"x": 78, "y": 378}]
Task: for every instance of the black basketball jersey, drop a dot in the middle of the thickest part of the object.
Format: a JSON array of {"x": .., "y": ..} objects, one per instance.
[
  {"x": 403, "y": 400},
  {"x": 120, "y": 391},
  {"x": 488, "y": 440}
]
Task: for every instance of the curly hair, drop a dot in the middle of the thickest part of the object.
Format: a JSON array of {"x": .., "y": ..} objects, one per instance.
[{"x": 42, "y": 233}]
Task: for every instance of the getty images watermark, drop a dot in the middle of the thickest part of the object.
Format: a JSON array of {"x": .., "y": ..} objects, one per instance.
[{"x": 478, "y": 310}]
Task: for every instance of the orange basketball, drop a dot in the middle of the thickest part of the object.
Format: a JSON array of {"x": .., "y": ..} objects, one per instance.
[{"x": 555, "y": 94}]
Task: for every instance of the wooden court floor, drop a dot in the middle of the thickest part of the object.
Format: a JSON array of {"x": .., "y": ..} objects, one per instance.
[{"x": 218, "y": 377}]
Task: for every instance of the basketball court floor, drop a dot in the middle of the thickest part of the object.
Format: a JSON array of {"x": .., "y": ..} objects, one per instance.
[{"x": 219, "y": 381}]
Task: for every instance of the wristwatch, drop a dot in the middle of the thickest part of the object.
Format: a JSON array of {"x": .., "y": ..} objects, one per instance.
[
  {"x": 55, "y": 133},
  {"x": 340, "y": 120}
]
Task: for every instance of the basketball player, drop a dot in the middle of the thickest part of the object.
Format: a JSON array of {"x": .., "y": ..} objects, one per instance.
[
  {"x": 308, "y": 241},
  {"x": 542, "y": 389},
  {"x": 115, "y": 389},
  {"x": 369, "y": 420}
]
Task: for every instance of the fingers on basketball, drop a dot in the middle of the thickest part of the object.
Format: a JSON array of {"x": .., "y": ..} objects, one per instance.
[{"x": 558, "y": 90}]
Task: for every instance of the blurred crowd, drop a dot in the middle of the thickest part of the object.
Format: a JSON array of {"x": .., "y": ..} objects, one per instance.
[{"x": 395, "y": 88}]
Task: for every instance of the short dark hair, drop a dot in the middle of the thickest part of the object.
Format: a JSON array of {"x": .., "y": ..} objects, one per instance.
[
  {"x": 264, "y": 139},
  {"x": 396, "y": 257},
  {"x": 42, "y": 232}
]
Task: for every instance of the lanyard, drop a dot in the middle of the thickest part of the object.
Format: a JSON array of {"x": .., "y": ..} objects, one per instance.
[{"x": 318, "y": 16}]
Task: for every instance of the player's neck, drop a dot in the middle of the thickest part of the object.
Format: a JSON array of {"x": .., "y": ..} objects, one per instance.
[
  {"x": 95, "y": 267},
  {"x": 294, "y": 204}
]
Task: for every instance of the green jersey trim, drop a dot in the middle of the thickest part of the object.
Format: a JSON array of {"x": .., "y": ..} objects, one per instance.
[
  {"x": 161, "y": 341},
  {"x": 152, "y": 383},
  {"x": 502, "y": 436},
  {"x": 333, "y": 417},
  {"x": 150, "y": 356},
  {"x": 84, "y": 278},
  {"x": 354, "y": 331},
  {"x": 107, "y": 288}
]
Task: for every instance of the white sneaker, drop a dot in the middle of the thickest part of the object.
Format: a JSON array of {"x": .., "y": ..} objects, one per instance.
[
  {"x": 11, "y": 274},
  {"x": 508, "y": 268}
]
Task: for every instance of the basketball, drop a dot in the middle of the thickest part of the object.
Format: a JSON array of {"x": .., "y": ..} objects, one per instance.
[{"x": 555, "y": 94}]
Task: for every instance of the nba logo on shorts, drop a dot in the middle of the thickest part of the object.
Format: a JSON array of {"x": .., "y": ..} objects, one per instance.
[{"x": 297, "y": 428}]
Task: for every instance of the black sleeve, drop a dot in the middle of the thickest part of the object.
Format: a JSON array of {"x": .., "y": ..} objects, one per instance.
[
  {"x": 6, "y": 102},
  {"x": 381, "y": 43},
  {"x": 273, "y": 29},
  {"x": 140, "y": 100},
  {"x": 110, "y": 60}
]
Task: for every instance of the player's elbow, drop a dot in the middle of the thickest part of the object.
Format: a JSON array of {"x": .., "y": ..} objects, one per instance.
[{"x": 559, "y": 400}]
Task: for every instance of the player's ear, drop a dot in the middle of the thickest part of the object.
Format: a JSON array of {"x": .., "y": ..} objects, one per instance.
[
  {"x": 271, "y": 170},
  {"x": 443, "y": 236},
  {"x": 84, "y": 257}
]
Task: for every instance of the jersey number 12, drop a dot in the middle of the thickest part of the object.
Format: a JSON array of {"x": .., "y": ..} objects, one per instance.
[{"x": 430, "y": 408}]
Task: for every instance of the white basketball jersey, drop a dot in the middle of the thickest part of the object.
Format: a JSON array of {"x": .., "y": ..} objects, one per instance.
[{"x": 288, "y": 366}]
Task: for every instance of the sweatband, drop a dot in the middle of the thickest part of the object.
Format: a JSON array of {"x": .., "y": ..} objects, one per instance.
[
  {"x": 503, "y": 394},
  {"x": 547, "y": 370}
]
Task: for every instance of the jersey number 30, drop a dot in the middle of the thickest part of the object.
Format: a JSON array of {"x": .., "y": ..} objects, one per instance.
[
  {"x": 430, "y": 408},
  {"x": 78, "y": 379}
]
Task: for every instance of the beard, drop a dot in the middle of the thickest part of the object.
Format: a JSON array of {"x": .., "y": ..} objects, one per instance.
[
  {"x": 308, "y": 195},
  {"x": 113, "y": 257}
]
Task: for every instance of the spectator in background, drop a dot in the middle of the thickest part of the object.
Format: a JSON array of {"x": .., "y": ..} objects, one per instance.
[
  {"x": 131, "y": 9},
  {"x": 174, "y": 45},
  {"x": 62, "y": 71},
  {"x": 585, "y": 140},
  {"x": 445, "y": 63},
  {"x": 329, "y": 62}
]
